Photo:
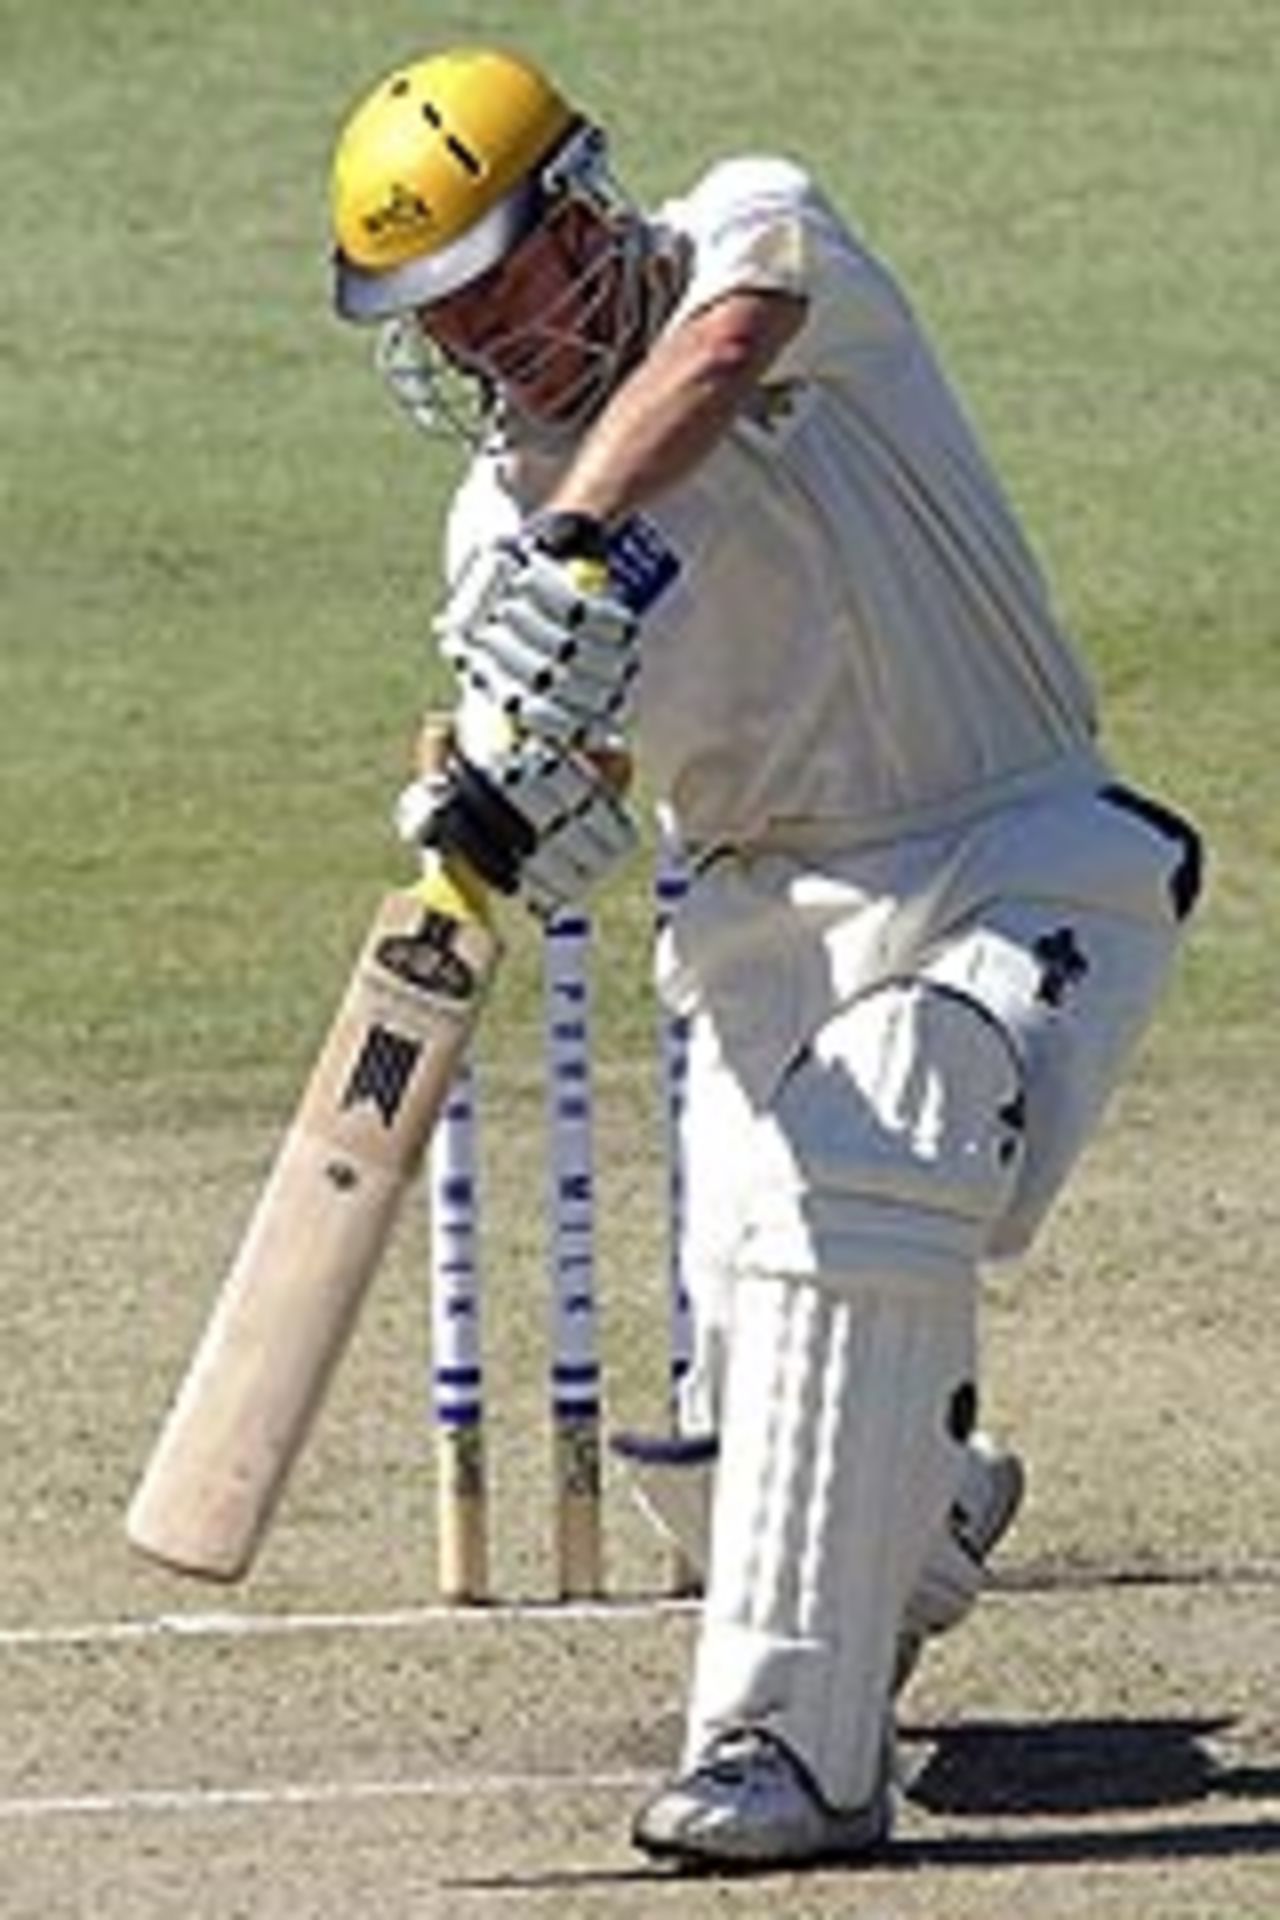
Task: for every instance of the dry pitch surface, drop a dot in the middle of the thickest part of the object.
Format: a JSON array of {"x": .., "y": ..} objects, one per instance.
[{"x": 1103, "y": 1739}]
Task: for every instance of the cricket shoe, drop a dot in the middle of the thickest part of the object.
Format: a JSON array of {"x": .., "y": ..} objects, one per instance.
[
  {"x": 673, "y": 1479},
  {"x": 750, "y": 1804}
]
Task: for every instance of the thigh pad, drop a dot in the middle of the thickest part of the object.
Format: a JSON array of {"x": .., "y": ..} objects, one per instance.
[{"x": 895, "y": 1138}]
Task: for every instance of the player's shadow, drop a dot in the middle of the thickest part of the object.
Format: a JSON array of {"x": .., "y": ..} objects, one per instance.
[
  {"x": 1065, "y": 1770},
  {"x": 1050, "y": 1786},
  {"x": 1077, "y": 1766}
]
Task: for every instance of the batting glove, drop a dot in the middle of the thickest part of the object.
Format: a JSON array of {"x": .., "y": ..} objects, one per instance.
[
  {"x": 534, "y": 628},
  {"x": 537, "y": 822}
]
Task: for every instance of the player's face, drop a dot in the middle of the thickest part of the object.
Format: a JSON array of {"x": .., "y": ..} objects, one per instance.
[{"x": 540, "y": 324}]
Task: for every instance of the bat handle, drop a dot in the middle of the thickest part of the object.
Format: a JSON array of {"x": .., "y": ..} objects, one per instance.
[{"x": 447, "y": 884}]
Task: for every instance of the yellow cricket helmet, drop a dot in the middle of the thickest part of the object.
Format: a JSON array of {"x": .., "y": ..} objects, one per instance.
[{"x": 435, "y": 177}]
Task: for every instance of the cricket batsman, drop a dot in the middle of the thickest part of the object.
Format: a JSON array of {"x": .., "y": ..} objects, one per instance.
[{"x": 723, "y": 502}]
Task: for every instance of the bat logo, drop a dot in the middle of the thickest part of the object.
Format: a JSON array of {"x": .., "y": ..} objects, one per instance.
[
  {"x": 427, "y": 959},
  {"x": 382, "y": 1072}
]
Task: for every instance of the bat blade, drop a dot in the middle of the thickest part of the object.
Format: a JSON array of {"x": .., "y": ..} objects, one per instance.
[{"x": 280, "y": 1323}]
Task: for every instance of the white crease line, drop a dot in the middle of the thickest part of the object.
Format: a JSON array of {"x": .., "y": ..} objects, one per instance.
[
  {"x": 1037, "y": 1581},
  {"x": 247, "y": 1626},
  {"x": 319, "y": 1793},
  {"x": 1020, "y": 1583}
]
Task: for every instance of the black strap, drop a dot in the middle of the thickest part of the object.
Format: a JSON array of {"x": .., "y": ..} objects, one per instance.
[
  {"x": 569, "y": 536},
  {"x": 1186, "y": 879},
  {"x": 480, "y": 825}
]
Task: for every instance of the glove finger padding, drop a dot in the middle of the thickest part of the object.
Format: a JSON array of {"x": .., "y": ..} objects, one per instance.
[
  {"x": 583, "y": 830},
  {"x": 527, "y": 645},
  {"x": 554, "y": 588},
  {"x": 536, "y": 821},
  {"x": 557, "y": 657}
]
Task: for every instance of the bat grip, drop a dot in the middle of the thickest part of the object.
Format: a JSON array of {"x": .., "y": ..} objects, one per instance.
[{"x": 447, "y": 883}]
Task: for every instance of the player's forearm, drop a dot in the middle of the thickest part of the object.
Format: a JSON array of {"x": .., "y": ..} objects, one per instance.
[{"x": 673, "y": 411}]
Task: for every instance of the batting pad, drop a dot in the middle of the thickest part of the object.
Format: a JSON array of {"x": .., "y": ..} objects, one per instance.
[
  {"x": 887, "y": 1153},
  {"x": 672, "y": 1481},
  {"x": 838, "y": 1460}
]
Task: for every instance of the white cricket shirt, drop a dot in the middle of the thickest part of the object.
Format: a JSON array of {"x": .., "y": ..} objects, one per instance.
[
  {"x": 859, "y": 636},
  {"x": 859, "y": 643}
]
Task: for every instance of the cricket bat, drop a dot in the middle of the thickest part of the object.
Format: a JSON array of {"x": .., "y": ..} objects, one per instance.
[{"x": 282, "y": 1318}]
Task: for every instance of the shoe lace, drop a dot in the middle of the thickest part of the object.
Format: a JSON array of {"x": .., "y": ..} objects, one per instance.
[{"x": 736, "y": 1754}]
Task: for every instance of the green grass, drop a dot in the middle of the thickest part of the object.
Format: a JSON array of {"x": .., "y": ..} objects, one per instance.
[{"x": 217, "y": 543}]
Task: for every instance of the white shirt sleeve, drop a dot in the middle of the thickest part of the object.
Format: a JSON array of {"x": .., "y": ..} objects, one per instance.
[{"x": 759, "y": 224}]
